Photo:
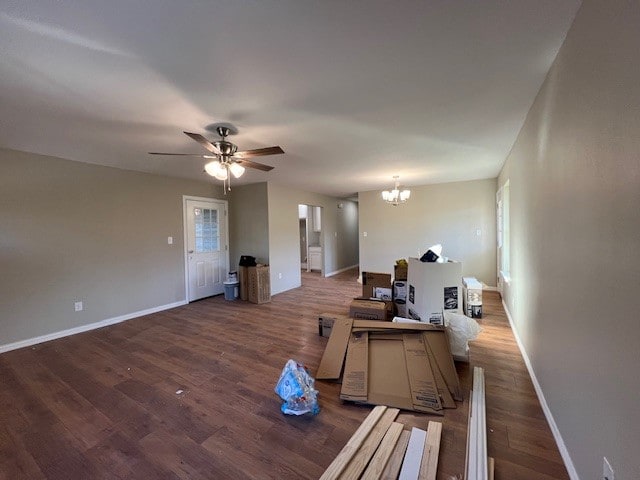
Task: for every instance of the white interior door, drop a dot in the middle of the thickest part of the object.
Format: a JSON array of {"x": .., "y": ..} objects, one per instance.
[{"x": 206, "y": 247}]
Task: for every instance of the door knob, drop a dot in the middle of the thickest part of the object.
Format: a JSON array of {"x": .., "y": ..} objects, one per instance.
[{"x": 190, "y": 251}]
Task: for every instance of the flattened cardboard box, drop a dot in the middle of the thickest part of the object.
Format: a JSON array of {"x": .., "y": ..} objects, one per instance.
[
  {"x": 330, "y": 367},
  {"x": 439, "y": 350},
  {"x": 382, "y": 369},
  {"x": 354, "y": 380},
  {"x": 368, "y": 310}
]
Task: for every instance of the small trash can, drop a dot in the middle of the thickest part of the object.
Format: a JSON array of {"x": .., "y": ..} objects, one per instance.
[{"x": 231, "y": 289}]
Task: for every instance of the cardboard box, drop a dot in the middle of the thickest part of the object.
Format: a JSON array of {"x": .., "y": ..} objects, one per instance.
[
  {"x": 368, "y": 309},
  {"x": 390, "y": 369},
  {"x": 433, "y": 287},
  {"x": 371, "y": 280},
  {"x": 396, "y": 364},
  {"x": 400, "y": 290},
  {"x": 325, "y": 324},
  {"x": 259, "y": 284},
  {"x": 400, "y": 297},
  {"x": 383, "y": 293},
  {"x": 400, "y": 272},
  {"x": 472, "y": 297},
  {"x": 243, "y": 278},
  {"x": 400, "y": 308}
]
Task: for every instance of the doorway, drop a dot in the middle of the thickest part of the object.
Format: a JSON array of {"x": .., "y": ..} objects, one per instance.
[
  {"x": 310, "y": 234},
  {"x": 206, "y": 246}
]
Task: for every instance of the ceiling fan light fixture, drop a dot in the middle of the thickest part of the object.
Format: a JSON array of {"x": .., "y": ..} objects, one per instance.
[
  {"x": 236, "y": 169},
  {"x": 222, "y": 173},
  {"x": 212, "y": 168}
]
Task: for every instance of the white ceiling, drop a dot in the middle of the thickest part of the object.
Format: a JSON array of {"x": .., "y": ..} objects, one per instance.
[{"x": 354, "y": 91}]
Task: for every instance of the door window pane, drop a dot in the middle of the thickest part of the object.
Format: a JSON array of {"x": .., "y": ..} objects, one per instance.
[{"x": 206, "y": 230}]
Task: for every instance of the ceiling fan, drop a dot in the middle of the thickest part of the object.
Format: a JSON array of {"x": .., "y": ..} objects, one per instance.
[{"x": 226, "y": 157}]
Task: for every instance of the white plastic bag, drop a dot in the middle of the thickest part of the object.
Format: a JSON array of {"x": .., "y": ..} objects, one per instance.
[
  {"x": 461, "y": 330},
  {"x": 295, "y": 387}
]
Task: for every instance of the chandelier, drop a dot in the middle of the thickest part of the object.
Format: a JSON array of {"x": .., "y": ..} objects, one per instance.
[{"x": 396, "y": 196}]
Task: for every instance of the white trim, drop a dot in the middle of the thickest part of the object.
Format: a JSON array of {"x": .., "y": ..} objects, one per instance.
[
  {"x": 489, "y": 288},
  {"x": 571, "y": 469},
  {"x": 85, "y": 328},
  {"x": 331, "y": 274}
]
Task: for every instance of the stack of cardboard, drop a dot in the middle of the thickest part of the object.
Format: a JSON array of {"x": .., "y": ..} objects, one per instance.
[
  {"x": 403, "y": 365},
  {"x": 377, "y": 286}
]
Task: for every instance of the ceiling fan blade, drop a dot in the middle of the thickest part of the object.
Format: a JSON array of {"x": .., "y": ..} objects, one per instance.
[
  {"x": 250, "y": 164},
  {"x": 258, "y": 152},
  {"x": 204, "y": 142},
  {"x": 179, "y": 154}
]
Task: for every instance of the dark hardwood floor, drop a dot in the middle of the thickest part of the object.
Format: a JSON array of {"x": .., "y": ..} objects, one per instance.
[{"x": 107, "y": 403}]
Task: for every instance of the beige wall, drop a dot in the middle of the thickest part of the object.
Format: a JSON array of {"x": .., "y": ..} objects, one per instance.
[
  {"x": 574, "y": 177},
  {"x": 449, "y": 214},
  {"x": 248, "y": 223},
  {"x": 339, "y": 237},
  {"x": 72, "y": 231}
]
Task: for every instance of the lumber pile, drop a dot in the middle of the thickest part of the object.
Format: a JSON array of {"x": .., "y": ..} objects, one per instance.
[
  {"x": 403, "y": 365},
  {"x": 381, "y": 449},
  {"x": 478, "y": 465}
]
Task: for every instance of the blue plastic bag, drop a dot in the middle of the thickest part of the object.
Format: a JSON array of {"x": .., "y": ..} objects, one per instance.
[{"x": 295, "y": 387}]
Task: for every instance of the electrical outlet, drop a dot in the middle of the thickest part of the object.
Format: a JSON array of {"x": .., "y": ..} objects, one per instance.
[
  {"x": 607, "y": 471},
  {"x": 279, "y": 276},
  {"x": 78, "y": 306},
  {"x": 170, "y": 240}
]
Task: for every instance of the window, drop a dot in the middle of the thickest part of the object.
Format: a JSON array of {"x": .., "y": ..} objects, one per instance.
[
  {"x": 206, "y": 234},
  {"x": 503, "y": 230}
]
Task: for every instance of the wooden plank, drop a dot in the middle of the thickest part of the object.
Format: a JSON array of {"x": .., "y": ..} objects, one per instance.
[
  {"x": 348, "y": 451},
  {"x": 394, "y": 464},
  {"x": 412, "y": 459},
  {"x": 477, "y": 463},
  {"x": 466, "y": 457},
  {"x": 492, "y": 465},
  {"x": 379, "y": 461},
  {"x": 333, "y": 357},
  {"x": 429, "y": 465},
  {"x": 362, "y": 457}
]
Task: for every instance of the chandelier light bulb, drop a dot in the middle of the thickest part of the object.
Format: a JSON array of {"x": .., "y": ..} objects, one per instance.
[{"x": 397, "y": 195}]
